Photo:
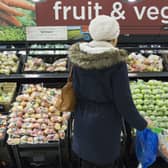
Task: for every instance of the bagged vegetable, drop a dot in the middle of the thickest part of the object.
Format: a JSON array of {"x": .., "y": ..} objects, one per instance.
[
  {"x": 146, "y": 147},
  {"x": 163, "y": 145}
]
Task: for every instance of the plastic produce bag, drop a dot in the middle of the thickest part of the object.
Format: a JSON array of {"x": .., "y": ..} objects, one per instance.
[
  {"x": 163, "y": 145},
  {"x": 146, "y": 147}
]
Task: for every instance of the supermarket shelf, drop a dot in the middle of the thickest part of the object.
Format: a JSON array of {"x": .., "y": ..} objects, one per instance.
[
  {"x": 35, "y": 78},
  {"x": 63, "y": 75},
  {"x": 55, "y": 49},
  {"x": 148, "y": 75},
  {"x": 49, "y": 145},
  {"x": 28, "y": 43},
  {"x": 47, "y": 54},
  {"x": 144, "y": 47},
  {"x": 12, "y": 49}
]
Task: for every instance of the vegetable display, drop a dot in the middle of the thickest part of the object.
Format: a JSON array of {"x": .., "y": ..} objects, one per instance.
[
  {"x": 38, "y": 64},
  {"x": 34, "y": 118},
  {"x": 5, "y": 96},
  {"x": 8, "y": 63},
  {"x": 140, "y": 63},
  {"x": 151, "y": 99}
]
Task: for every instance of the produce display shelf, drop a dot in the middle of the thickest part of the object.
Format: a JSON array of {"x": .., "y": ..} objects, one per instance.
[
  {"x": 143, "y": 39},
  {"x": 47, "y": 54},
  {"x": 144, "y": 48},
  {"x": 53, "y": 42},
  {"x": 22, "y": 152},
  {"x": 45, "y": 72},
  {"x": 64, "y": 75},
  {"x": 12, "y": 49},
  {"x": 37, "y": 49},
  {"x": 148, "y": 74},
  {"x": 36, "y": 78},
  {"x": 41, "y": 42},
  {"x": 29, "y": 146}
]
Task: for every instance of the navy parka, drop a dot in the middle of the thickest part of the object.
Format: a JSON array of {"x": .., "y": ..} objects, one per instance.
[{"x": 100, "y": 80}]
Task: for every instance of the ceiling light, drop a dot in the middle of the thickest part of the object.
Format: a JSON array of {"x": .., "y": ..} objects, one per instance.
[
  {"x": 131, "y": 1},
  {"x": 38, "y": 0}
]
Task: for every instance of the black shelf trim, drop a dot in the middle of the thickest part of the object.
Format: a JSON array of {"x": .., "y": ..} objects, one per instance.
[
  {"x": 12, "y": 49},
  {"x": 148, "y": 74},
  {"x": 54, "y": 54},
  {"x": 35, "y": 76},
  {"x": 30, "y": 146},
  {"x": 144, "y": 48},
  {"x": 41, "y": 49},
  {"x": 64, "y": 75}
]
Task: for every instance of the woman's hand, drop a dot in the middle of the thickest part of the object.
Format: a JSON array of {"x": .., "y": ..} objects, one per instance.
[{"x": 149, "y": 122}]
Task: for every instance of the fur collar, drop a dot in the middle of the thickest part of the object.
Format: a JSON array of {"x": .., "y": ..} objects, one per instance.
[{"x": 96, "y": 55}]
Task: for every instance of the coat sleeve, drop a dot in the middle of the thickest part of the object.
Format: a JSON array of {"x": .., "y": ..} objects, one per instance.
[{"x": 123, "y": 98}]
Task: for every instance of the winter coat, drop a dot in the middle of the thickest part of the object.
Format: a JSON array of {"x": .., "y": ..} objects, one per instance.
[{"x": 100, "y": 80}]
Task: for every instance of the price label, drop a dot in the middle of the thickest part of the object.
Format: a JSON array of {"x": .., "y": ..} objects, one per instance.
[{"x": 46, "y": 33}]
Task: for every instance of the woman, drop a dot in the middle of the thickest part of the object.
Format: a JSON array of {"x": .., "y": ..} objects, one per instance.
[{"x": 100, "y": 80}]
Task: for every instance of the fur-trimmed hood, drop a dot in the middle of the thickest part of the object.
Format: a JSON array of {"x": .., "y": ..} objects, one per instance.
[{"x": 96, "y": 55}]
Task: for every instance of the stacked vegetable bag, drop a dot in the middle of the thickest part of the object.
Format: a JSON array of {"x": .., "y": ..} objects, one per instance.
[
  {"x": 35, "y": 64},
  {"x": 34, "y": 119},
  {"x": 139, "y": 63},
  {"x": 9, "y": 63}
]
